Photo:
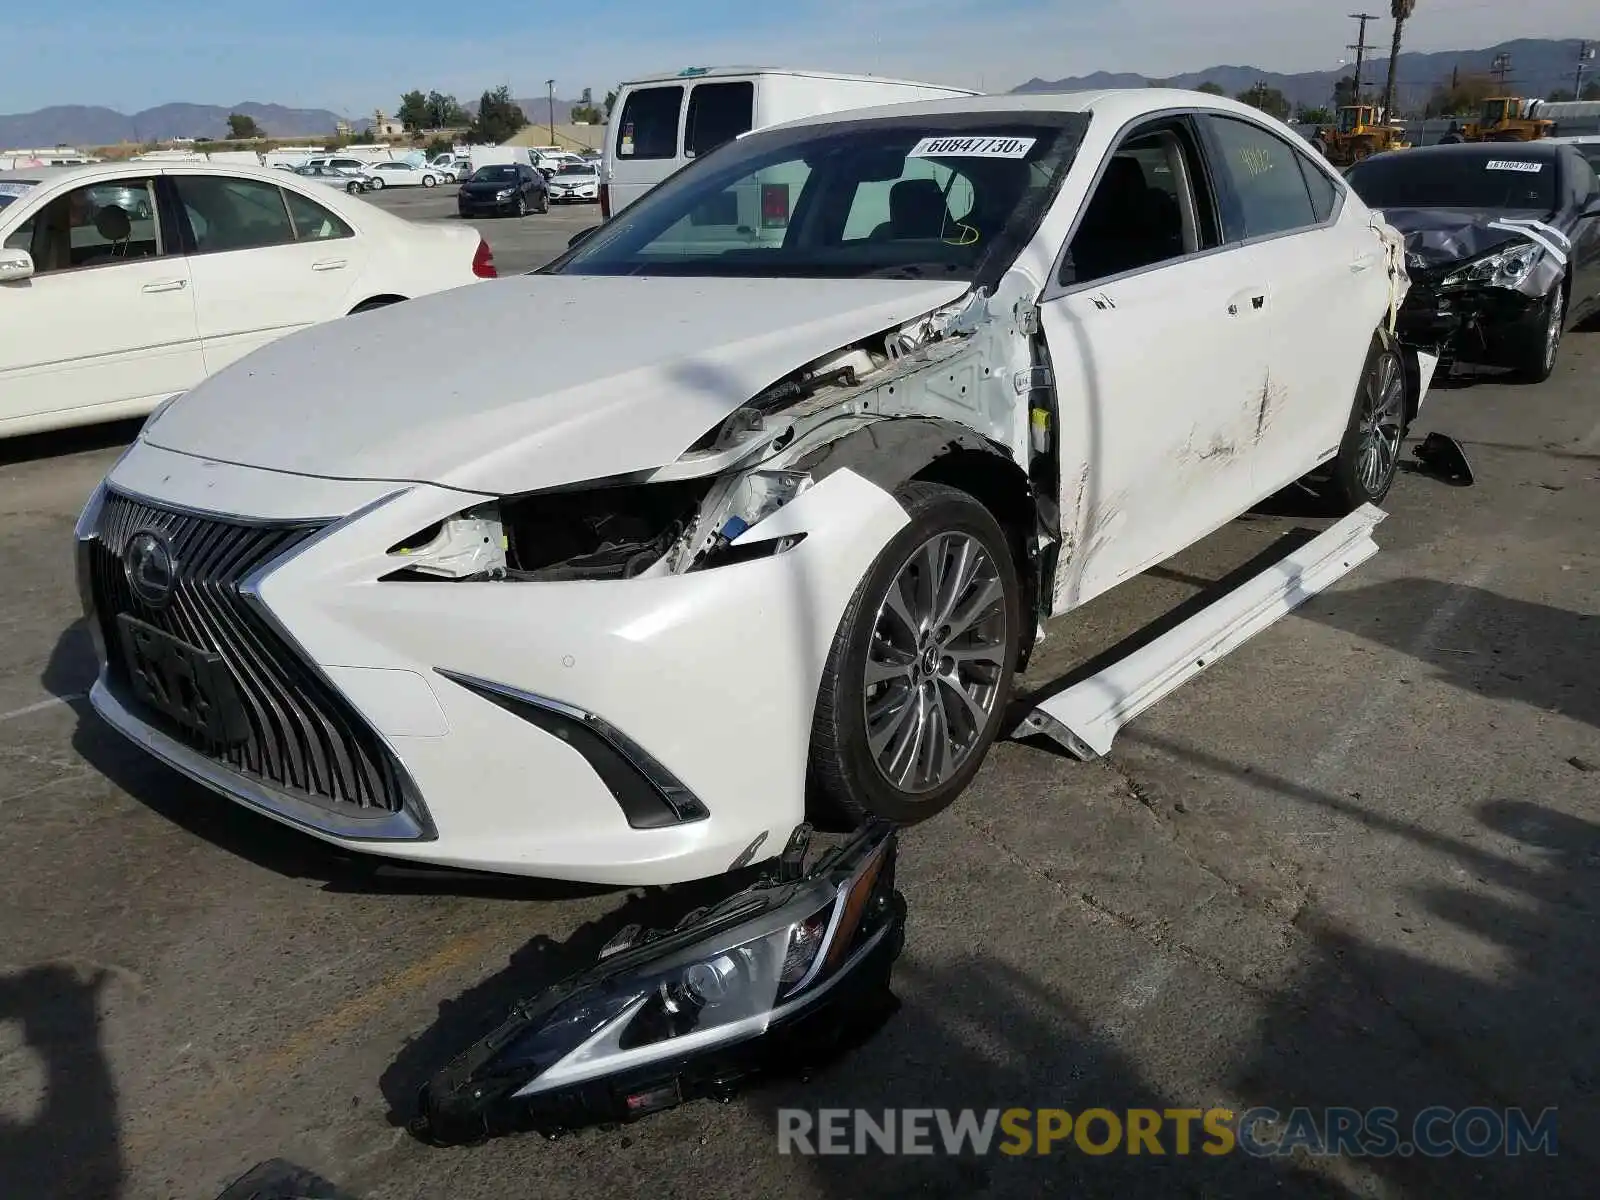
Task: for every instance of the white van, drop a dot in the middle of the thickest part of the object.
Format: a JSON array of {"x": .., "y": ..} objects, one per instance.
[{"x": 664, "y": 121}]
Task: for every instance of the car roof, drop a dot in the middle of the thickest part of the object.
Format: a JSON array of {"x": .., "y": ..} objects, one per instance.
[
  {"x": 1541, "y": 150},
  {"x": 691, "y": 74},
  {"x": 1117, "y": 105},
  {"x": 89, "y": 172}
]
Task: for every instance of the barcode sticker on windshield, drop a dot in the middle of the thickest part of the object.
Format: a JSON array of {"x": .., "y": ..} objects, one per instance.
[
  {"x": 15, "y": 189},
  {"x": 1513, "y": 164},
  {"x": 972, "y": 147}
]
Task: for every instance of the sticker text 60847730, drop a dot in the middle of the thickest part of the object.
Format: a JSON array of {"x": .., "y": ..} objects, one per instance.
[
  {"x": 972, "y": 147},
  {"x": 1512, "y": 164}
]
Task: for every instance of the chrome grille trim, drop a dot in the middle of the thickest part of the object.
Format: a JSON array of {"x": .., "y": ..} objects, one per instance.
[{"x": 306, "y": 740}]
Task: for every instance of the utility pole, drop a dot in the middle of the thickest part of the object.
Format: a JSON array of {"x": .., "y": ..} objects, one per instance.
[
  {"x": 1361, "y": 50},
  {"x": 1500, "y": 68},
  {"x": 550, "y": 92},
  {"x": 1585, "y": 56}
]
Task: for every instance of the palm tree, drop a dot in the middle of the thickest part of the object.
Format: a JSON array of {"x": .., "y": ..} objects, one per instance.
[{"x": 1401, "y": 11}]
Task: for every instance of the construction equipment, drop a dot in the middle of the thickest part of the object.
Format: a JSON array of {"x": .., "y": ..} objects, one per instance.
[
  {"x": 1361, "y": 132},
  {"x": 1507, "y": 119}
]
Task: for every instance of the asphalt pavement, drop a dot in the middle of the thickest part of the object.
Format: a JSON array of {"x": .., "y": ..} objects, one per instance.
[
  {"x": 1356, "y": 863},
  {"x": 519, "y": 243}
]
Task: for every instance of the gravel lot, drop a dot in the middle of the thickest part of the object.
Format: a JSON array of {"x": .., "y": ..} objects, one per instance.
[{"x": 1356, "y": 863}]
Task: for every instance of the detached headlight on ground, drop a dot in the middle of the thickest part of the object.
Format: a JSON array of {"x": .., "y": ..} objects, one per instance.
[
  {"x": 1504, "y": 268},
  {"x": 777, "y": 978}
]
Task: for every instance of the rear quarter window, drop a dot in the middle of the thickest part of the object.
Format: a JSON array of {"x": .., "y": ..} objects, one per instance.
[{"x": 648, "y": 127}]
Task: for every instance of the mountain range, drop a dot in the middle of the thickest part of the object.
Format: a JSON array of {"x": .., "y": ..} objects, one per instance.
[
  {"x": 1538, "y": 66},
  {"x": 77, "y": 125}
]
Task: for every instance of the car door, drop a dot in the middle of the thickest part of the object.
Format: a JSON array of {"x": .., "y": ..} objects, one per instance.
[
  {"x": 105, "y": 326},
  {"x": 1157, "y": 341},
  {"x": 1326, "y": 286},
  {"x": 266, "y": 260}
]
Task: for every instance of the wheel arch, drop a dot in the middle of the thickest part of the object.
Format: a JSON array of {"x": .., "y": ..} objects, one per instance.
[{"x": 897, "y": 450}]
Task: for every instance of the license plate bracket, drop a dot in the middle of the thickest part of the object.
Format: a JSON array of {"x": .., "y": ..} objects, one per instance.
[{"x": 191, "y": 686}]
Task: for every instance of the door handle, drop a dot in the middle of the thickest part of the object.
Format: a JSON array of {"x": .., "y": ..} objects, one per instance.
[
  {"x": 171, "y": 285},
  {"x": 330, "y": 264}
]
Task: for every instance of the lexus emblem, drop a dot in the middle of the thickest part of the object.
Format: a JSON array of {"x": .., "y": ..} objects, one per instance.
[{"x": 151, "y": 569}]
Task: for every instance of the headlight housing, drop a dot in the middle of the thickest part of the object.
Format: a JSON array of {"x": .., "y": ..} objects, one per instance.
[
  {"x": 777, "y": 977},
  {"x": 1505, "y": 268},
  {"x": 504, "y": 193}
]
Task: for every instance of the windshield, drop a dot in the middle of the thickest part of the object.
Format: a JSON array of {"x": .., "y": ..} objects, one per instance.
[
  {"x": 1495, "y": 180},
  {"x": 505, "y": 174},
  {"x": 937, "y": 197},
  {"x": 575, "y": 169},
  {"x": 1493, "y": 111},
  {"x": 14, "y": 190}
]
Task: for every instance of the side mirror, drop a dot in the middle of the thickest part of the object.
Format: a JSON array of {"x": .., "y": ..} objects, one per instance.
[
  {"x": 581, "y": 235},
  {"x": 15, "y": 265}
]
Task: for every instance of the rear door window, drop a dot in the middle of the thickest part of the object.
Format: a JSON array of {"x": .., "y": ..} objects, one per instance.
[
  {"x": 648, "y": 127},
  {"x": 1270, "y": 191},
  {"x": 226, "y": 213},
  {"x": 718, "y": 113}
]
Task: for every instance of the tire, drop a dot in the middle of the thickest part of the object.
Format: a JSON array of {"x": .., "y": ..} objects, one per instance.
[
  {"x": 1369, "y": 454},
  {"x": 1534, "y": 359},
  {"x": 521, "y": 209},
  {"x": 353, "y": 188},
  {"x": 429, "y": 181},
  {"x": 845, "y": 779},
  {"x": 544, "y": 203}
]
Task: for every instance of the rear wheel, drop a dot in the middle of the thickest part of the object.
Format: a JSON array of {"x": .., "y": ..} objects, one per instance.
[
  {"x": 917, "y": 680},
  {"x": 544, "y": 202},
  {"x": 377, "y": 183},
  {"x": 1369, "y": 455},
  {"x": 428, "y": 181},
  {"x": 352, "y": 187}
]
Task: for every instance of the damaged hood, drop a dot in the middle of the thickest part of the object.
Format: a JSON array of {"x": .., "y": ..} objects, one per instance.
[
  {"x": 526, "y": 382},
  {"x": 1438, "y": 237}
]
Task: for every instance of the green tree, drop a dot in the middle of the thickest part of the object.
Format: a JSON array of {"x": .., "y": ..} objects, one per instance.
[
  {"x": 1268, "y": 99},
  {"x": 413, "y": 111},
  {"x": 1461, "y": 96},
  {"x": 243, "y": 127},
  {"x": 586, "y": 114},
  {"x": 1401, "y": 11},
  {"x": 1314, "y": 116},
  {"x": 1210, "y": 89},
  {"x": 611, "y": 102},
  {"x": 444, "y": 112},
  {"x": 498, "y": 119}
]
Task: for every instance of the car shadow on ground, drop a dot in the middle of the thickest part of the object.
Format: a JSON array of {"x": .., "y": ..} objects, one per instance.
[
  {"x": 61, "y": 442},
  {"x": 67, "y": 1146},
  {"x": 70, "y": 673}
]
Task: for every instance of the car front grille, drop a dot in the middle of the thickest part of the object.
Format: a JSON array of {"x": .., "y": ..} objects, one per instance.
[{"x": 304, "y": 738}]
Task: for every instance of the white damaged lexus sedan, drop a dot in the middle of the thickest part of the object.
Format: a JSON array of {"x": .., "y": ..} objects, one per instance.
[{"x": 829, "y": 424}]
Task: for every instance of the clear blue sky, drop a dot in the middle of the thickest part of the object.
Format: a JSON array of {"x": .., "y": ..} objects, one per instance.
[{"x": 360, "y": 54}]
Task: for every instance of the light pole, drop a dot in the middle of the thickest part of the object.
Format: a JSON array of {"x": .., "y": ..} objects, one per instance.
[{"x": 550, "y": 92}]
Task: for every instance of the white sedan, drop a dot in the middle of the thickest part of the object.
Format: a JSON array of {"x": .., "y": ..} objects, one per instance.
[
  {"x": 575, "y": 182},
  {"x": 122, "y": 284},
  {"x": 404, "y": 174},
  {"x": 873, "y": 397}
]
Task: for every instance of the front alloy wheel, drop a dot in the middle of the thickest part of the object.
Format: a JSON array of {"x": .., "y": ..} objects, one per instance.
[
  {"x": 1536, "y": 361},
  {"x": 1369, "y": 455},
  {"x": 921, "y": 666}
]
